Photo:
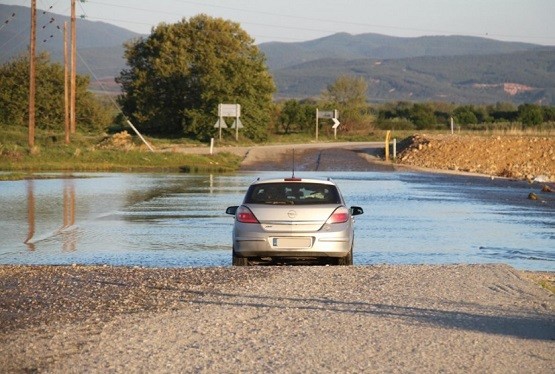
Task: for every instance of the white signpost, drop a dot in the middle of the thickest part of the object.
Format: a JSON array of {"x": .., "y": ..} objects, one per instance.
[
  {"x": 229, "y": 110},
  {"x": 330, "y": 114}
]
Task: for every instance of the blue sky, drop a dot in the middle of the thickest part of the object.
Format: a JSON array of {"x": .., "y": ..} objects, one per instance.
[{"x": 528, "y": 21}]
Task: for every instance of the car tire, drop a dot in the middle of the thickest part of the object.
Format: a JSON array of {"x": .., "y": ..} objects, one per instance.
[
  {"x": 239, "y": 261},
  {"x": 347, "y": 260}
]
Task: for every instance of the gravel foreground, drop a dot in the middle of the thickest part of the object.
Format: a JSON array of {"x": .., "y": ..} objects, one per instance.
[{"x": 382, "y": 318}]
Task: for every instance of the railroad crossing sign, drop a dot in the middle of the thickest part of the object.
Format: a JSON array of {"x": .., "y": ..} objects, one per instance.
[
  {"x": 329, "y": 114},
  {"x": 229, "y": 110}
]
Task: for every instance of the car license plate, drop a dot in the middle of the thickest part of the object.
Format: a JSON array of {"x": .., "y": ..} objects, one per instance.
[{"x": 301, "y": 242}]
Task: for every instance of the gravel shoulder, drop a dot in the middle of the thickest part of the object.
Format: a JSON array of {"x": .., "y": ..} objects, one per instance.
[{"x": 407, "y": 318}]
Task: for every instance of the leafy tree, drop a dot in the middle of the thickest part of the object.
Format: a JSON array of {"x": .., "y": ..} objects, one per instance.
[
  {"x": 549, "y": 114},
  {"x": 464, "y": 115},
  {"x": 296, "y": 116},
  {"x": 49, "y": 98},
  {"x": 179, "y": 74},
  {"x": 348, "y": 95},
  {"x": 530, "y": 114},
  {"x": 422, "y": 115},
  {"x": 399, "y": 110},
  {"x": 503, "y": 112}
]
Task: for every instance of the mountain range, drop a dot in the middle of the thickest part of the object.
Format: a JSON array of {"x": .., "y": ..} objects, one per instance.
[{"x": 460, "y": 69}]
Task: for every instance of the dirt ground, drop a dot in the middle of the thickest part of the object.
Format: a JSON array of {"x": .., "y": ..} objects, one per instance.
[{"x": 518, "y": 157}]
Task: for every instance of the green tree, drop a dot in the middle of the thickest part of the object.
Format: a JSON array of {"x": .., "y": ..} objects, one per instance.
[
  {"x": 49, "y": 98},
  {"x": 348, "y": 95},
  {"x": 179, "y": 74},
  {"x": 530, "y": 114},
  {"x": 296, "y": 116},
  {"x": 422, "y": 115},
  {"x": 549, "y": 114},
  {"x": 464, "y": 115},
  {"x": 503, "y": 112}
]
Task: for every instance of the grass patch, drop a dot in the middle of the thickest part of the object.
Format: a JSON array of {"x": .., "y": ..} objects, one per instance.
[
  {"x": 543, "y": 279},
  {"x": 95, "y": 153},
  {"x": 114, "y": 160}
]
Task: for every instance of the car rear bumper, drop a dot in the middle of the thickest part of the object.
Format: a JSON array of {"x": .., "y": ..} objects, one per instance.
[{"x": 336, "y": 244}]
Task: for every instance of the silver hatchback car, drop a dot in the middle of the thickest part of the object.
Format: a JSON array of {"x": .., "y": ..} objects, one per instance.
[{"x": 293, "y": 219}]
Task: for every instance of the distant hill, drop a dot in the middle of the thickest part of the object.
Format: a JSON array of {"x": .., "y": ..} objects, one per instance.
[
  {"x": 513, "y": 77},
  {"x": 375, "y": 46},
  {"x": 457, "y": 69},
  {"x": 99, "y": 44}
]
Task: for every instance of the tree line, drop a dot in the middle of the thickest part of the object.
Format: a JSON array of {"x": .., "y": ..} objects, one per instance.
[{"x": 177, "y": 76}]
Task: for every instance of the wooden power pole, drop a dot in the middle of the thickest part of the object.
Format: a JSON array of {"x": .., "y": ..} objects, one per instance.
[
  {"x": 66, "y": 86},
  {"x": 73, "y": 69},
  {"x": 32, "y": 73}
]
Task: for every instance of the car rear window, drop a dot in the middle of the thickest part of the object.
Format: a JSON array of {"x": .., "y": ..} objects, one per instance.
[{"x": 292, "y": 193}]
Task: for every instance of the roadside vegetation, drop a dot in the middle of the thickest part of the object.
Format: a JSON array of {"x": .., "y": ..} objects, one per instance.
[
  {"x": 99, "y": 153},
  {"x": 175, "y": 79}
]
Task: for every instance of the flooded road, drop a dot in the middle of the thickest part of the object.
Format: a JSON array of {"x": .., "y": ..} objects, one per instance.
[{"x": 178, "y": 220}]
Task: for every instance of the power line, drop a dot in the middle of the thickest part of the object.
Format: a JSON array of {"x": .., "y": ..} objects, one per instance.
[
  {"x": 319, "y": 20},
  {"x": 8, "y": 20}
]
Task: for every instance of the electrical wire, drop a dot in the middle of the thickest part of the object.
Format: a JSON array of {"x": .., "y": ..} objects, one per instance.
[
  {"x": 319, "y": 20},
  {"x": 8, "y": 20}
]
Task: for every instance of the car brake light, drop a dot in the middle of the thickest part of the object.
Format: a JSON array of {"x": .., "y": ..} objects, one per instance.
[
  {"x": 245, "y": 215},
  {"x": 340, "y": 215}
]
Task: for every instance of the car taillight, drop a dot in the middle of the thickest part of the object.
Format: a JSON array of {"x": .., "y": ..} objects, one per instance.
[
  {"x": 245, "y": 215},
  {"x": 340, "y": 215}
]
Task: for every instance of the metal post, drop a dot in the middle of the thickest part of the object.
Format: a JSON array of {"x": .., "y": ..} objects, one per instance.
[
  {"x": 316, "y": 124},
  {"x": 387, "y": 137},
  {"x": 237, "y": 122},
  {"x": 394, "y": 149},
  {"x": 211, "y": 145},
  {"x": 220, "y": 127}
]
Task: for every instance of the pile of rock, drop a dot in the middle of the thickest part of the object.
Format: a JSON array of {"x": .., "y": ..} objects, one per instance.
[
  {"x": 121, "y": 141},
  {"x": 519, "y": 157}
]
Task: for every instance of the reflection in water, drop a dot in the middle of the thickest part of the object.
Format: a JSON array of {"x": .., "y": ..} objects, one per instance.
[
  {"x": 30, "y": 214},
  {"x": 69, "y": 239}
]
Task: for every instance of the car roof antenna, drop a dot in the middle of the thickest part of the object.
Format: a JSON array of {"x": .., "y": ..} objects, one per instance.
[{"x": 293, "y": 173}]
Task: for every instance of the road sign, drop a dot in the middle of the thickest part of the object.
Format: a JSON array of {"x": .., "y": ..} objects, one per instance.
[
  {"x": 329, "y": 114},
  {"x": 326, "y": 114},
  {"x": 238, "y": 122},
  {"x": 229, "y": 110},
  {"x": 220, "y": 123}
]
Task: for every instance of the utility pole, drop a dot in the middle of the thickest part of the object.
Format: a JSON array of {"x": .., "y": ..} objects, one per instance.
[
  {"x": 32, "y": 87},
  {"x": 73, "y": 69},
  {"x": 66, "y": 86}
]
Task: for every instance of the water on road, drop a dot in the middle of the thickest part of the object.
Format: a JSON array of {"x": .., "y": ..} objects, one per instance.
[{"x": 178, "y": 220}]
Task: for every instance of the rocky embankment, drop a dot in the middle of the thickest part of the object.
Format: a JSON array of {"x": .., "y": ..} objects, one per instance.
[{"x": 518, "y": 157}]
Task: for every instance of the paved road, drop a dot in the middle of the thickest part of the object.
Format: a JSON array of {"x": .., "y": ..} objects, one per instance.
[{"x": 316, "y": 157}]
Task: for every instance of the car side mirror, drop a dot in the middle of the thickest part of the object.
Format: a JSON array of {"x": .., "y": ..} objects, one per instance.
[
  {"x": 356, "y": 210},
  {"x": 231, "y": 210}
]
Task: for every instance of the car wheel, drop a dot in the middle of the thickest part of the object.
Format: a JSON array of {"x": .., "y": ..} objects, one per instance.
[
  {"x": 347, "y": 260},
  {"x": 239, "y": 261}
]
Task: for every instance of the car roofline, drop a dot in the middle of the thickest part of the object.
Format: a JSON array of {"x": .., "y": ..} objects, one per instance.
[{"x": 295, "y": 180}]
